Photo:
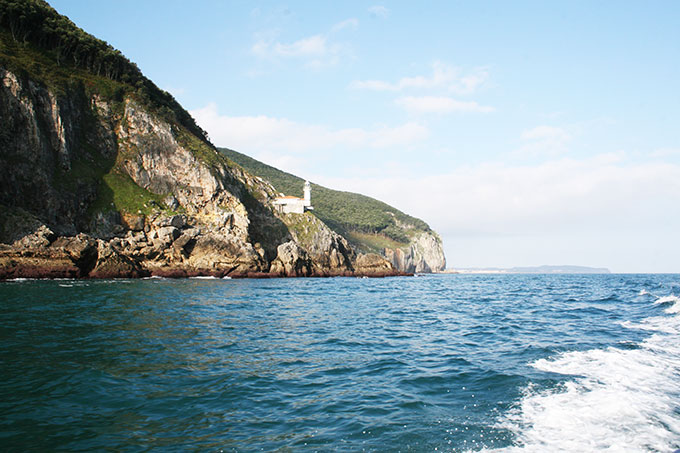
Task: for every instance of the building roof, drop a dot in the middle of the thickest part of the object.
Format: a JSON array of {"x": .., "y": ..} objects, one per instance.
[{"x": 288, "y": 197}]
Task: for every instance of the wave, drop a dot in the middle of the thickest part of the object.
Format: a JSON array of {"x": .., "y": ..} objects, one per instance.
[
  {"x": 617, "y": 399},
  {"x": 674, "y": 300}
]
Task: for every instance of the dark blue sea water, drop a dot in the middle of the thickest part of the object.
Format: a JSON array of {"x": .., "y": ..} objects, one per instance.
[{"x": 442, "y": 362}]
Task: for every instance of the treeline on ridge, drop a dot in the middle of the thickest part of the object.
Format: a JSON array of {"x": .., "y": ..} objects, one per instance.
[{"x": 36, "y": 23}]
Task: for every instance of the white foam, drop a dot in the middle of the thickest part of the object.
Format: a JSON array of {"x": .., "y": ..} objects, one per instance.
[
  {"x": 644, "y": 292},
  {"x": 674, "y": 300},
  {"x": 675, "y": 308},
  {"x": 667, "y": 300},
  {"x": 619, "y": 400}
]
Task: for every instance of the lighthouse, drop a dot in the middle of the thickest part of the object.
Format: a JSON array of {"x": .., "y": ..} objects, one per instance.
[
  {"x": 295, "y": 205},
  {"x": 308, "y": 194}
]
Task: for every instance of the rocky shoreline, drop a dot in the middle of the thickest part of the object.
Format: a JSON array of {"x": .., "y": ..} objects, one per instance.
[
  {"x": 66, "y": 258},
  {"x": 171, "y": 248}
]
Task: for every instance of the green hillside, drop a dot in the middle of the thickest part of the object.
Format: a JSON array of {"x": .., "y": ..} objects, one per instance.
[{"x": 369, "y": 224}]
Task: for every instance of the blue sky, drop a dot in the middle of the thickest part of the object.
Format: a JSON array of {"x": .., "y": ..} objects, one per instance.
[{"x": 525, "y": 133}]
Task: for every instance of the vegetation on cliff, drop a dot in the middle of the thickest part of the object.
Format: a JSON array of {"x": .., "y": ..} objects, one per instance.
[
  {"x": 367, "y": 223},
  {"x": 42, "y": 43}
]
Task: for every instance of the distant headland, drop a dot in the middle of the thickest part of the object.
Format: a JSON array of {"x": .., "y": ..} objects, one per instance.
[{"x": 545, "y": 269}]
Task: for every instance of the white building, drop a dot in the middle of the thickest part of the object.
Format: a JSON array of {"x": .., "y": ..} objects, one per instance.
[{"x": 295, "y": 205}]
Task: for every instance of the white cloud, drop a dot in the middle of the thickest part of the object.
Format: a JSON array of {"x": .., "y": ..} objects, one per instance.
[
  {"x": 312, "y": 46},
  {"x": 444, "y": 76},
  {"x": 317, "y": 50},
  {"x": 665, "y": 152},
  {"x": 440, "y": 104},
  {"x": 546, "y": 133},
  {"x": 348, "y": 23},
  {"x": 258, "y": 134},
  {"x": 544, "y": 140},
  {"x": 379, "y": 11}
]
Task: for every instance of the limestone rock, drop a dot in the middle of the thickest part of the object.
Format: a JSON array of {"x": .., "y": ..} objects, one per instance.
[
  {"x": 291, "y": 261},
  {"x": 330, "y": 253},
  {"x": 177, "y": 221},
  {"x": 111, "y": 264},
  {"x": 168, "y": 234},
  {"x": 423, "y": 254},
  {"x": 133, "y": 222},
  {"x": 171, "y": 202},
  {"x": 372, "y": 264},
  {"x": 42, "y": 237},
  {"x": 81, "y": 249},
  {"x": 224, "y": 254}
]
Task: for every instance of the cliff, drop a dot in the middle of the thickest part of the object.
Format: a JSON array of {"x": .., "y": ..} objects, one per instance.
[
  {"x": 103, "y": 175},
  {"x": 101, "y": 188},
  {"x": 369, "y": 225}
]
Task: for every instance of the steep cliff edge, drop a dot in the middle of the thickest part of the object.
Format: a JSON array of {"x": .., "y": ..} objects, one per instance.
[
  {"x": 369, "y": 225},
  {"x": 104, "y": 175},
  {"x": 96, "y": 188}
]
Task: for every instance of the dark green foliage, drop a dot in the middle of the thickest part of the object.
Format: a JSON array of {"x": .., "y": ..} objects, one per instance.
[
  {"x": 345, "y": 212},
  {"x": 35, "y": 24}
]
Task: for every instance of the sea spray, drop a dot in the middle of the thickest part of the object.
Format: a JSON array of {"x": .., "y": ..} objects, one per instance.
[{"x": 617, "y": 400}]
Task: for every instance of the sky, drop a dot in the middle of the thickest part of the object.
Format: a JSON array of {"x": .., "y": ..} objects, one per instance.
[{"x": 524, "y": 133}]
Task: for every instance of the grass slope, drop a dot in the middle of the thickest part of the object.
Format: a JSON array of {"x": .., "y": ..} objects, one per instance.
[{"x": 367, "y": 223}]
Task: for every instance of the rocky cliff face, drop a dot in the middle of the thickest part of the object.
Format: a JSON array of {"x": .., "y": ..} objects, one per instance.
[
  {"x": 101, "y": 187},
  {"x": 423, "y": 254}
]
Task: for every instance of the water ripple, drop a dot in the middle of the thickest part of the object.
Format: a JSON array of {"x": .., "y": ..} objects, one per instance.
[{"x": 453, "y": 363}]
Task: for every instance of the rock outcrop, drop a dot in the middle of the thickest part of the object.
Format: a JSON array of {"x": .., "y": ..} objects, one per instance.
[{"x": 423, "y": 254}]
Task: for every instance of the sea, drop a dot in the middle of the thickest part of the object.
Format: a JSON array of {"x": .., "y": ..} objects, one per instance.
[{"x": 452, "y": 363}]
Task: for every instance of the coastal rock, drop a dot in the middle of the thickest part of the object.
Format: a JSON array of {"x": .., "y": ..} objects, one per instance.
[
  {"x": 424, "y": 254},
  {"x": 43, "y": 262},
  {"x": 330, "y": 253},
  {"x": 168, "y": 234},
  {"x": 82, "y": 250},
  {"x": 291, "y": 261},
  {"x": 65, "y": 257},
  {"x": 41, "y": 237},
  {"x": 224, "y": 255},
  {"x": 171, "y": 202},
  {"x": 133, "y": 222},
  {"x": 111, "y": 264},
  {"x": 374, "y": 265}
]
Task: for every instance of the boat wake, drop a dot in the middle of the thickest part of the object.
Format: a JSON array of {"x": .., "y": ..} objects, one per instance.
[{"x": 618, "y": 399}]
